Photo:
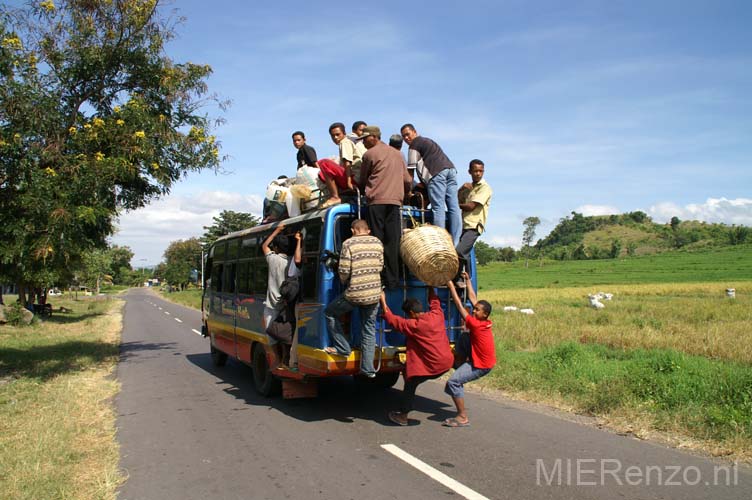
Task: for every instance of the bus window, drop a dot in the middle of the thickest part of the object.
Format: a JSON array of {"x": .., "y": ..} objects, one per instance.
[
  {"x": 309, "y": 271},
  {"x": 260, "y": 275},
  {"x": 243, "y": 280},
  {"x": 219, "y": 251},
  {"x": 248, "y": 248},
  {"x": 229, "y": 278},
  {"x": 216, "y": 278},
  {"x": 232, "y": 249},
  {"x": 342, "y": 231}
]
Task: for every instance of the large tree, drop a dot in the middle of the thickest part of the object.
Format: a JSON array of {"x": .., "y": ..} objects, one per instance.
[
  {"x": 95, "y": 118},
  {"x": 182, "y": 258},
  {"x": 227, "y": 222}
]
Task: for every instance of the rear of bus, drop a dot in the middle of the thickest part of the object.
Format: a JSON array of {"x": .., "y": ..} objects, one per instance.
[{"x": 234, "y": 296}]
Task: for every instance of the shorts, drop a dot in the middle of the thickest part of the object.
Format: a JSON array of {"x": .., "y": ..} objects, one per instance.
[
  {"x": 269, "y": 315},
  {"x": 336, "y": 172}
]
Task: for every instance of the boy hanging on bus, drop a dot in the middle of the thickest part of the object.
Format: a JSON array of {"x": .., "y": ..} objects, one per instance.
[
  {"x": 429, "y": 354},
  {"x": 360, "y": 264},
  {"x": 275, "y": 248},
  {"x": 475, "y": 353},
  {"x": 474, "y": 199}
]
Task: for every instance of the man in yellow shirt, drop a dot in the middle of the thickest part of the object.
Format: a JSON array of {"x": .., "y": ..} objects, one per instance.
[{"x": 474, "y": 198}]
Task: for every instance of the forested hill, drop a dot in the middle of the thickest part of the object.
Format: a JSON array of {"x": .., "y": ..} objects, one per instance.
[{"x": 633, "y": 233}]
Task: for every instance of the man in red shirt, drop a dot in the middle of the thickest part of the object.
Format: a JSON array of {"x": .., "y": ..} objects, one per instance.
[
  {"x": 476, "y": 351},
  {"x": 429, "y": 354}
]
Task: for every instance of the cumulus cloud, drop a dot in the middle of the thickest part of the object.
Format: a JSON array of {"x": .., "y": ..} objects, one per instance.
[
  {"x": 149, "y": 230},
  {"x": 736, "y": 211},
  {"x": 589, "y": 210}
]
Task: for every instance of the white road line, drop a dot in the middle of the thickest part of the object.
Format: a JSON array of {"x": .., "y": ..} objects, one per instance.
[
  {"x": 178, "y": 320},
  {"x": 434, "y": 474},
  {"x": 195, "y": 331},
  {"x": 167, "y": 312}
]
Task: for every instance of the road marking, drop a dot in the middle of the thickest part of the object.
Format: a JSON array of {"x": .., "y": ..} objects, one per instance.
[
  {"x": 434, "y": 474},
  {"x": 178, "y": 320},
  {"x": 195, "y": 331},
  {"x": 167, "y": 312}
]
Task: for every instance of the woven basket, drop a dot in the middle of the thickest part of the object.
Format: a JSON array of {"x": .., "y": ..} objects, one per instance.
[{"x": 429, "y": 253}]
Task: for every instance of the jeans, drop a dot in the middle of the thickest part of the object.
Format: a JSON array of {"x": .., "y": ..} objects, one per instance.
[
  {"x": 455, "y": 386},
  {"x": 337, "y": 308},
  {"x": 442, "y": 192},
  {"x": 467, "y": 241}
]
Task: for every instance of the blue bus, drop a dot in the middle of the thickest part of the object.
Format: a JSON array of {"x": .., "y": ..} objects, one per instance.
[{"x": 235, "y": 289}]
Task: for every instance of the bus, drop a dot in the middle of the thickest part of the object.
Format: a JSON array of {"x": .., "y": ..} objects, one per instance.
[{"x": 235, "y": 289}]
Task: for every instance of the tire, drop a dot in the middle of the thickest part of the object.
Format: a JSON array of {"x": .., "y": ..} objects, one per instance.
[
  {"x": 380, "y": 382},
  {"x": 218, "y": 357},
  {"x": 263, "y": 380}
]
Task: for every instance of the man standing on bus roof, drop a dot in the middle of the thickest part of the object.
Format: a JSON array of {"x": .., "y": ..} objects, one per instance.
[
  {"x": 360, "y": 264},
  {"x": 384, "y": 177},
  {"x": 438, "y": 174},
  {"x": 275, "y": 248},
  {"x": 429, "y": 355},
  {"x": 474, "y": 199},
  {"x": 306, "y": 154}
]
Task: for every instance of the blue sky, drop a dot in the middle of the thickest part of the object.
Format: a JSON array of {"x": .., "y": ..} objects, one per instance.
[{"x": 598, "y": 107}]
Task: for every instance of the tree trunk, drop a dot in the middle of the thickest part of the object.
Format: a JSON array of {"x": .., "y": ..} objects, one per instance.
[{"x": 21, "y": 294}]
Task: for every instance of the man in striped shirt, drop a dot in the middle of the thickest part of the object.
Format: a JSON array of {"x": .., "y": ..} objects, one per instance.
[{"x": 360, "y": 264}]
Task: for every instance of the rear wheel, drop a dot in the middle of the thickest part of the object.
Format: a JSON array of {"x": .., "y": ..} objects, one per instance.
[
  {"x": 381, "y": 381},
  {"x": 218, "y": 357},
  {"x": 265, "y": 383}
]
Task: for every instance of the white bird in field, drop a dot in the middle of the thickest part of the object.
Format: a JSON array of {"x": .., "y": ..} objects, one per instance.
[
  {"x": 594, "y": 302},
  {"x": 527, "y": 311},
  {"x": 510, "y": 308}
]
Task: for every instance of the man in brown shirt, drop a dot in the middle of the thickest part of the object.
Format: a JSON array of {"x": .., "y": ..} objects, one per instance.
[{"x": 383, "y": 174}]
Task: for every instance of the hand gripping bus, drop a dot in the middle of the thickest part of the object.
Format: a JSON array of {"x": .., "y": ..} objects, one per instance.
[{"x": 235, "y": 289}]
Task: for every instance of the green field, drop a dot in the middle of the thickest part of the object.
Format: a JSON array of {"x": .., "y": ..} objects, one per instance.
[{"x": 728, "y": 264}]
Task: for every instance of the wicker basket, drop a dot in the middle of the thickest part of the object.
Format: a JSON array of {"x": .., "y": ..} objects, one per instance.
[{"x": 429, "y": 253}]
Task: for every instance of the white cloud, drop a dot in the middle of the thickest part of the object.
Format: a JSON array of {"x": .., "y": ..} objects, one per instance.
[
  {"x": 736, "y": 211},
  {"x": 149, "y": 230},
  {"x": 505, "y": 240},
  {"x": 589, "y": 210}
]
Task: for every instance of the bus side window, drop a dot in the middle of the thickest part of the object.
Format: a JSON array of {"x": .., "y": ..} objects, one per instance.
[
  {"x": 243, "y": 280},
  {"x": 343, "y": 231},
  {"x": 311, "y": 250},
  {"x": 229, "y": 278},
  {"x": 260, "y": 275},
  {"x": 216, "y": 278}
]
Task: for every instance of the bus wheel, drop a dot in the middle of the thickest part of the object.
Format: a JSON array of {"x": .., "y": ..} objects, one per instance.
[
  {"x": 218, "y": 357},
  {"x": 265, "y": 383},
  {"x": 381, "y": 381}
]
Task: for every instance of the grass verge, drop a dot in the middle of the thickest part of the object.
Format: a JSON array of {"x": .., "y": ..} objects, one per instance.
[
  {"x": 189, "y": 298},
  {"x": 57, "y": 421}
]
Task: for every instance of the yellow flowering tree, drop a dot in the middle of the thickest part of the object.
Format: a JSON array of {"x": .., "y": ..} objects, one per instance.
[{"x": 95, "y": 118}]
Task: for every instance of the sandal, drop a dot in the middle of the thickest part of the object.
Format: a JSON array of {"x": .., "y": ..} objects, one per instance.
[
  {"x": 330, "y": 202},
  {"x": 453, "y": 422},
  {"x": 332, "y": 351},
  {"x": 393, "y": 416}
]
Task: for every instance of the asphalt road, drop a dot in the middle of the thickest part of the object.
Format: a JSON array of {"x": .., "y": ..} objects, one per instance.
[{"x": 190, "y": 430}]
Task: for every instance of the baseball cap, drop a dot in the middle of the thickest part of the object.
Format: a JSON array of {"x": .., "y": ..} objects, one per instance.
[{"x": 371, "y": 130}]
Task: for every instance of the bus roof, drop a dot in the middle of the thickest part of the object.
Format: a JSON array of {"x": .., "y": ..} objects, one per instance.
[{"x": 313, "y": 214}]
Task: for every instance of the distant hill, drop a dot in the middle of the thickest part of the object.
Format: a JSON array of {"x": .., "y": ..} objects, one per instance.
[{"x": 582, "y": 237}]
